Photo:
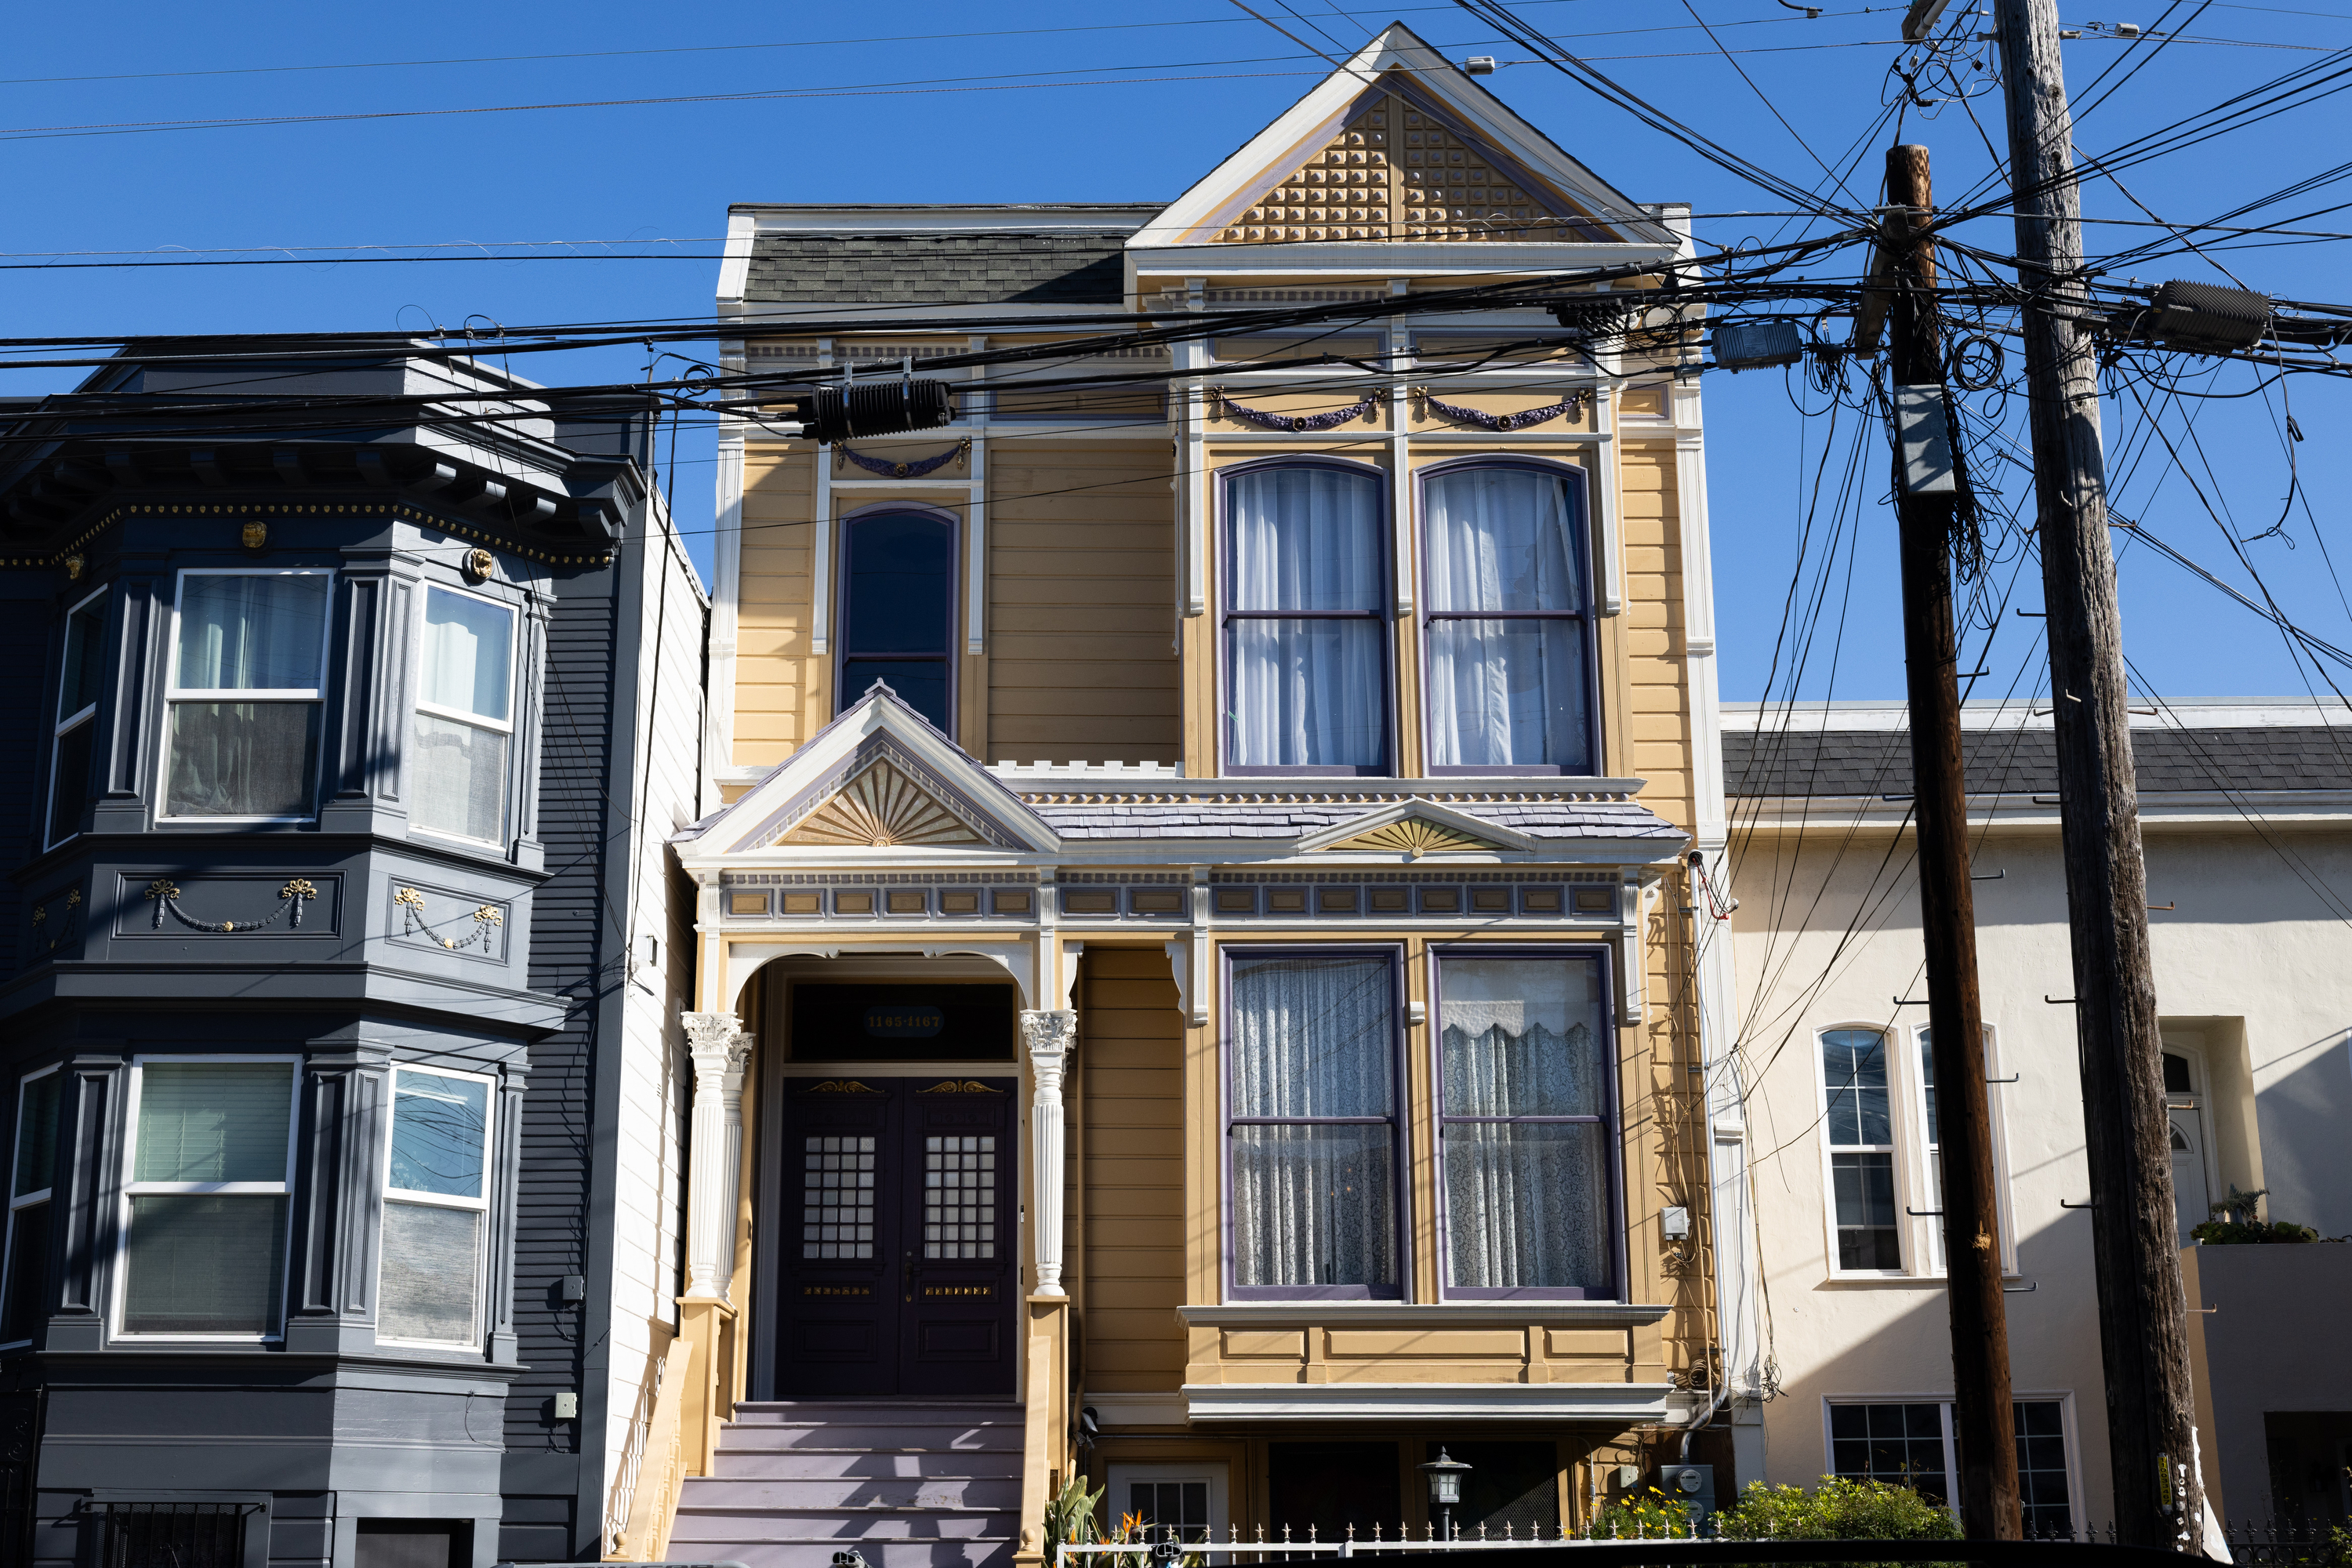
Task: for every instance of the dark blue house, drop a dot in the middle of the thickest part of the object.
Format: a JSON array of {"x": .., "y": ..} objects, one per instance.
[{"x": 331, "y": 811}]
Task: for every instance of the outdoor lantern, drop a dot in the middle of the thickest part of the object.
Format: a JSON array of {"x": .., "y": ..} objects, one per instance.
[{"x": 1444, "y": 1475}]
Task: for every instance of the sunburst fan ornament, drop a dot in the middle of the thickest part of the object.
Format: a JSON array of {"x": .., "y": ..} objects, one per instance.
[
  {"x": 881, "y": 808},
  {"x": 1414, "y": 836}
]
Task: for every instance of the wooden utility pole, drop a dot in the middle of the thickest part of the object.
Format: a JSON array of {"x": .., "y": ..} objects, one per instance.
[
  {"x": 1983, "y": 1419},
  {"x": 2143, "y": 1312}
]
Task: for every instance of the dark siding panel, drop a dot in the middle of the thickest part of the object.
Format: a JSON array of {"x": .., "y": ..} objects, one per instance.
[
  {"x": 28, "y": 628},
  {"x": 573, "y": 935}
]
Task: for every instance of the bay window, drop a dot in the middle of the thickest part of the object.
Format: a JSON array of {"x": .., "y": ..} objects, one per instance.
[
  {"x": 1510, "y": 669},
  {"x": 1312, "y": 1125},
  {"x": 464, "y": 730},
  {"x": 1526, "y": 1146},
  {"x": 1860, "y": 1128},
  {"x": 1306, "y": 625},
  {"x": 211, "y": 1155},
  {"x": 73, "y": 747},
  {"x": 25, "y": 1271},
  {"x": 245, "y": 697},
  {"x": 435, "y": 1204}
]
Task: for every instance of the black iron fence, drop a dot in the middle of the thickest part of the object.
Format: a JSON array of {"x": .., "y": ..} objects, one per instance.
[{"x": 173, "y": 1534}]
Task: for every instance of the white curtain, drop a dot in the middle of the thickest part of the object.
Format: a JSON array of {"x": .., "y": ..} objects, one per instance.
[
  {"x": 468, "y": 655},
  {"x": 241, "y": 632},
  {"x": 1314, "y": 1200},
  {"x": 1527, "y": 1202},
  {"x": 1306, "y": 693},
  {"x": 1506, "y": 692}
]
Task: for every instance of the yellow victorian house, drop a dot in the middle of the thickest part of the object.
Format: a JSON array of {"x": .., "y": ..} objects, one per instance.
[{"x": 1202, "y": 989}]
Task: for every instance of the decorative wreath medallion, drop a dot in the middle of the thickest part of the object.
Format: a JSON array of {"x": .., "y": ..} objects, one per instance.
[
  {"x": 1571, "y": 406},
  {"x": 1363, "y": 408},
  {"x": 913, "y": 470}
]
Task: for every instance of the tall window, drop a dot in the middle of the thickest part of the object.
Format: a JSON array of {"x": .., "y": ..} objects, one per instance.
[
  {"x": 1912, "y": 1445},
  {"x": 77, "y": 715},
  {"x": 1862, "y": 1150},
  {"x": 1523, "y": 1116},
  {"x": 465, "y": 717},
  {"x": 1933, "y": 1165},
  {"x": 1509, "y": 669},
  {"x": 1305, "y": 625},
  {"x": 436, "y": 1193},
  {"x": 211, "y": 1159},
  {"x": 1313, "y": 1136},
  {"x": 897, "y": 610},
  {"x": 27, "y": 1268},
  {"x": 245, "y": 697}
]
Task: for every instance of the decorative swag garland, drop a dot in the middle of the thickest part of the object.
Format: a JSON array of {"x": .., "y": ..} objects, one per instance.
[
  {"x": 1364, "y": 409},
  {"x": 914, "y": 470},
  {"x": 1571, "y": 406}
]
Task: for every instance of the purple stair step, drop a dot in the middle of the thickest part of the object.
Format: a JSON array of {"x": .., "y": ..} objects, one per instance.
[
  {"x": 737, "y": 1463},
  {"x": 991, "y": 1493}
]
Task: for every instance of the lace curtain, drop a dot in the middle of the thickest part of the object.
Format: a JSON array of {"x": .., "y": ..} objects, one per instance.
[
  {"x": 1314, "y": 1197},
  {"x": 1306, "y": 692},
  {"x": 1506, "y": 692}
]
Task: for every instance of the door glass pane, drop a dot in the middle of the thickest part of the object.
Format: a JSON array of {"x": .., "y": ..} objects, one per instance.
[
  {"x": 960, "y": 1196},
  {"x": 1307, "y": 693},
  {"x": 1508, "y": 694},
  {"x": 1502, "y": 538},
  {"x": 204, "y": 1263},
  {"x": 212, "y": 1121},
  {"x": 837, "y": 1197},
  {"x": 1519, "y": 1036},
  {"x": 242, "y": 759},
  {"x": 440, "y": 1129},
  {"x": 1313, "y": 1204},
  {"x": 1313, "y": 1037},
  {"x": 460, "y": 774},
  {"x": 431, "y": 1265},
  {"x": 1526, "y": 1204},
  {"x": 37, "y": 1133},
  {"x": 468, "y": 655},
  {"x": 240, "y": 633},
  {"x": 1305, "y": 539}
]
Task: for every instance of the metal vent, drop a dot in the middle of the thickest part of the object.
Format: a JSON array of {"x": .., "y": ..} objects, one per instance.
[
  {"x": 1752, "y": 345},
  {"x": 2202, "y": 316}
]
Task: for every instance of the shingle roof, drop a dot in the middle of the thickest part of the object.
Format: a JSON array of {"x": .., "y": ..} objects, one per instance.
[
  {"x": 938, "y": 268},
  {"x": 2025, "y": 761},
  {"x": 1211, "y": 818}
]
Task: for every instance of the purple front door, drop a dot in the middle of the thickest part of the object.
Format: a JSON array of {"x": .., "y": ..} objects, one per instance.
[{"x": 897, "y": 1274}]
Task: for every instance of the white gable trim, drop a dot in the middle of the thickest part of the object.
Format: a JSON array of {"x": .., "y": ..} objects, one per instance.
[{"x": 1192, "y": 219}]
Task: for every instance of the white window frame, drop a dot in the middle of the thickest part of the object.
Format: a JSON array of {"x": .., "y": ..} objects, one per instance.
[
  {"x": 2063, "y": 1399},
  {"x": 131, "y": 1188},
  {"x": 480, "y": 1206},
  {"x": 1213, "y": 1471},
  {"x": 61, "y": 723},
  {"x": 16, "y": 1200},
  {"x": 457, "y": 716},
  {"x": 173, "y": 694},
  {"x": 1893, "y": 1151},
  {"x": 1922, "y": 1179}
]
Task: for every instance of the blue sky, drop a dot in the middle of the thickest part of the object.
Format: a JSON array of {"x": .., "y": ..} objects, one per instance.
[{"x": 1076, "y": 102}]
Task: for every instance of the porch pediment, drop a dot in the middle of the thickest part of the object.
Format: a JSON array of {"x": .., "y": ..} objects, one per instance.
[{"x": 878, "y": 777}]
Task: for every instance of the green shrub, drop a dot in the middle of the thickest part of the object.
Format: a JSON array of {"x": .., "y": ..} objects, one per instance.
[
  {"x": 1838, "y": 1510},
  {"x": 1648, "y": 1515},
  {"x": 2236, "y": 1233}
]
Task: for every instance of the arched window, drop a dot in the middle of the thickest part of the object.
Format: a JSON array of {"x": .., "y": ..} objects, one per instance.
[
  {"x": 1510, "y": 660},
  {"x": 1306, "y": 624},
  {"x": 896, "y": 611}
]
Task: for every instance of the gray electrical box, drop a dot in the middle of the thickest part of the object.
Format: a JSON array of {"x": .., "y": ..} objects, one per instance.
[{"x": 1693, "y": 1485}]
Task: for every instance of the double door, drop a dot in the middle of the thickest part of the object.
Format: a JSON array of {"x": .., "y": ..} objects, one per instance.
[{"x": 898, "y": 1273}]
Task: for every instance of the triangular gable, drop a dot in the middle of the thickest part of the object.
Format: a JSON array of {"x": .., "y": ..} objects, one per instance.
[
  {"x": 878, "y": 777},
  {"x": 1399, "y": 145},
  {"x": 1414, "y": 829}
]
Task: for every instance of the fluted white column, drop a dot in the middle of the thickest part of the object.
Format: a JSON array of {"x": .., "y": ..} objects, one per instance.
[
  {"x": 1049, "y": 1036},
  {"x": 719, "y": 1050}
]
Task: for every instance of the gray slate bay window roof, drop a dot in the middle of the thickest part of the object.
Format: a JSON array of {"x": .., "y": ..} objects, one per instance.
[
  {"x": 1032, "y": 255},
  {"x": 2023, "y": 762}
]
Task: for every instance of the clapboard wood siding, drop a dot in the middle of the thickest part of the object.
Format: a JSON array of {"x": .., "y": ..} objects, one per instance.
[
  {"x": 1656, "y": 723},
  {"x": 1131, "y": 1046},
  {"x": 782, "y": 691},
  {"x": 25, "y": 638},
  {"x": 1081, "y": 618}
]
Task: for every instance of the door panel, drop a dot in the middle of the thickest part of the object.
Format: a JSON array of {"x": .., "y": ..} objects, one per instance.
[{"x": 898, "y": 1273}]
